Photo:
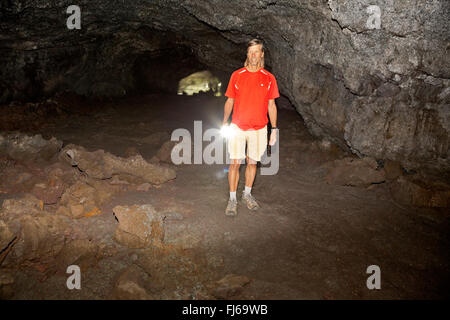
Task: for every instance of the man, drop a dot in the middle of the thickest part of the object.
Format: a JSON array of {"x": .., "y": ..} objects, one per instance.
[{"x": 251, "y": 95}]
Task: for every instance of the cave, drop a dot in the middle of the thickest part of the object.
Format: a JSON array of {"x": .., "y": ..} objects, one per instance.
[{"x": 97, "y": 98}]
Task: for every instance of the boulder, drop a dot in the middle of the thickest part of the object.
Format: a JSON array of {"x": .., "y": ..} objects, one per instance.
[
  {"x": 354, "y": 172},
  {"x": 24, "y": 148},
  {"x": 80, "y": 252},
  {"x": 7, "y": 238},
  {"x": 137, "y": 166},
  {"x": 164, "y": 153},
  {"x": 91, "y": 163},
  {"x": 79, "y": 199},
  {"x": 84, "y": 198},
  {"x": 417, "y": 193},
  {"x": 131, "y": 152},
  {"x": 50, "y": 191},
  {"x": 139, "y": 225},
  {"x": 103, "y": 165},
  {"x": 39, "y": 239},
  {"x": 129, "y": 285},
  {"x": 15, "y": 208}
]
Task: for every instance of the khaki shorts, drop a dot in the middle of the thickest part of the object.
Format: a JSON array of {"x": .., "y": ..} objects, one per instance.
[{"x": 256, "y": 141}]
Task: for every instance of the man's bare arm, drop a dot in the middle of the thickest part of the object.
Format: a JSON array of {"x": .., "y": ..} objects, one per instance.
[
  {"x": 273, "y": 121},
  {"x": 227, "y": 110},
  {"x": 273, "y": 112}
]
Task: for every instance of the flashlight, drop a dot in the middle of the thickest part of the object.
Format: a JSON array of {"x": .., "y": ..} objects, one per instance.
[{"x": 226, "y": 131}]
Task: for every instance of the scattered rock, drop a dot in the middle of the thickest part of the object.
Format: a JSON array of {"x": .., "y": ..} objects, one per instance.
[
  {"x": 17, "y": 179},
  {"x": 80, "y": 252},
  {"x": 129, "y": 285},
  {"x": 144, "y": 187},
  {"x": 131, "y": 152},
  {"x": 40, "y": 238},
  {"x": 173, "y": 216},
  {"x": 6, "y": 285},
  {"x": 164, "y": 153},
  {"x": 84, "y": 198},
  {"x": 138, "y": 167},
  {"x": 355, "y": 172},
  {"x": 24, "y": 148},
  {"x": 126, "y": 179},
  {"x": 59, "y": 171},
  {"x": 103, "y": 190},
  {"x": 91, "y": 163},
  {"x": 139, "y": 225},
  {"x": 15, "y": 208},
  {"x": 77, "y": 210},
  {"x": 420, "y": 194},
  {"x": 154, "y": 160},
  {"x": 6, "y": 237},
  {"x": 117, "y": 181},
  {"x": 102, "y": 165},
  {"x": 50, "y": 191},
  {"x": 230, "y": 286},
  {"x": 23, "y": 177},
  {"x": 78, "y": 199}
]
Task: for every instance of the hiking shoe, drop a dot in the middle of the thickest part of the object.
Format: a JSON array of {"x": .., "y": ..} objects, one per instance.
[
  {"x": 231, "y": 208},
  {"x": 250, "y": 201}
]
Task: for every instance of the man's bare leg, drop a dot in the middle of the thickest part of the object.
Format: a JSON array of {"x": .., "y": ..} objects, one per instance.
[
  {"x": 233, "y": 174},
  {"x": 250, "y": 172},
  {"x": 233, "y": 179}
]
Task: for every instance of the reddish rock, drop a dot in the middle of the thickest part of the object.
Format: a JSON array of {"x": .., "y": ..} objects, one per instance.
[
  {"x": 50, "y": 191},
  {"x": 139, "y": 226},
  {"x": 80, "y": 252}
]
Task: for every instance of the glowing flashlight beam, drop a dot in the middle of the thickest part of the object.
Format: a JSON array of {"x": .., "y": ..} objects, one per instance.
[{"x": 226, "y": 131}]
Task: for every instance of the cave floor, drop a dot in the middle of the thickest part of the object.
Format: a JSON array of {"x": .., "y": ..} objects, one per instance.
[{"x": 309, "y": 240}]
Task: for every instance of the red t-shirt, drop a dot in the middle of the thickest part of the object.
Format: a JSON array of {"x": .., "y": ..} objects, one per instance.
[{"x": 251, "y": 92}]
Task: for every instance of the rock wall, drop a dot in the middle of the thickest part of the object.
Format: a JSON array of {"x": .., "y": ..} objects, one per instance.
[{"x": 378, "y": 90}]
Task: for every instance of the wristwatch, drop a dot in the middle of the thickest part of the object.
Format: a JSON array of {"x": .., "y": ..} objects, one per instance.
[{"x": 274, "y": 128}]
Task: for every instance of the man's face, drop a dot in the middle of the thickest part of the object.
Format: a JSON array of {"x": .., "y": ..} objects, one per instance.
[{"x": 254, "y": 55}]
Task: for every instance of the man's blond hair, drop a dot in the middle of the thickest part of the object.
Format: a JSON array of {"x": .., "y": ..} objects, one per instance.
[{"x": 252, "y": 43}]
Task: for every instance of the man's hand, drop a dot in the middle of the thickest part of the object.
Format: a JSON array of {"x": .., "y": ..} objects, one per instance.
[{"x": 273, "y": 137}]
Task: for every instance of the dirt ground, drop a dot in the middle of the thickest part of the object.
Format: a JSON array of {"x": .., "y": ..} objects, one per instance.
[{"x": 309, "y": 240}]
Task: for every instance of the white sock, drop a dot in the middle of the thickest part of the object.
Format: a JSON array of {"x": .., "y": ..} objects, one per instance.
[
  {"x": 233, "y": 196},
  {"x": 248, "y": 190}
]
